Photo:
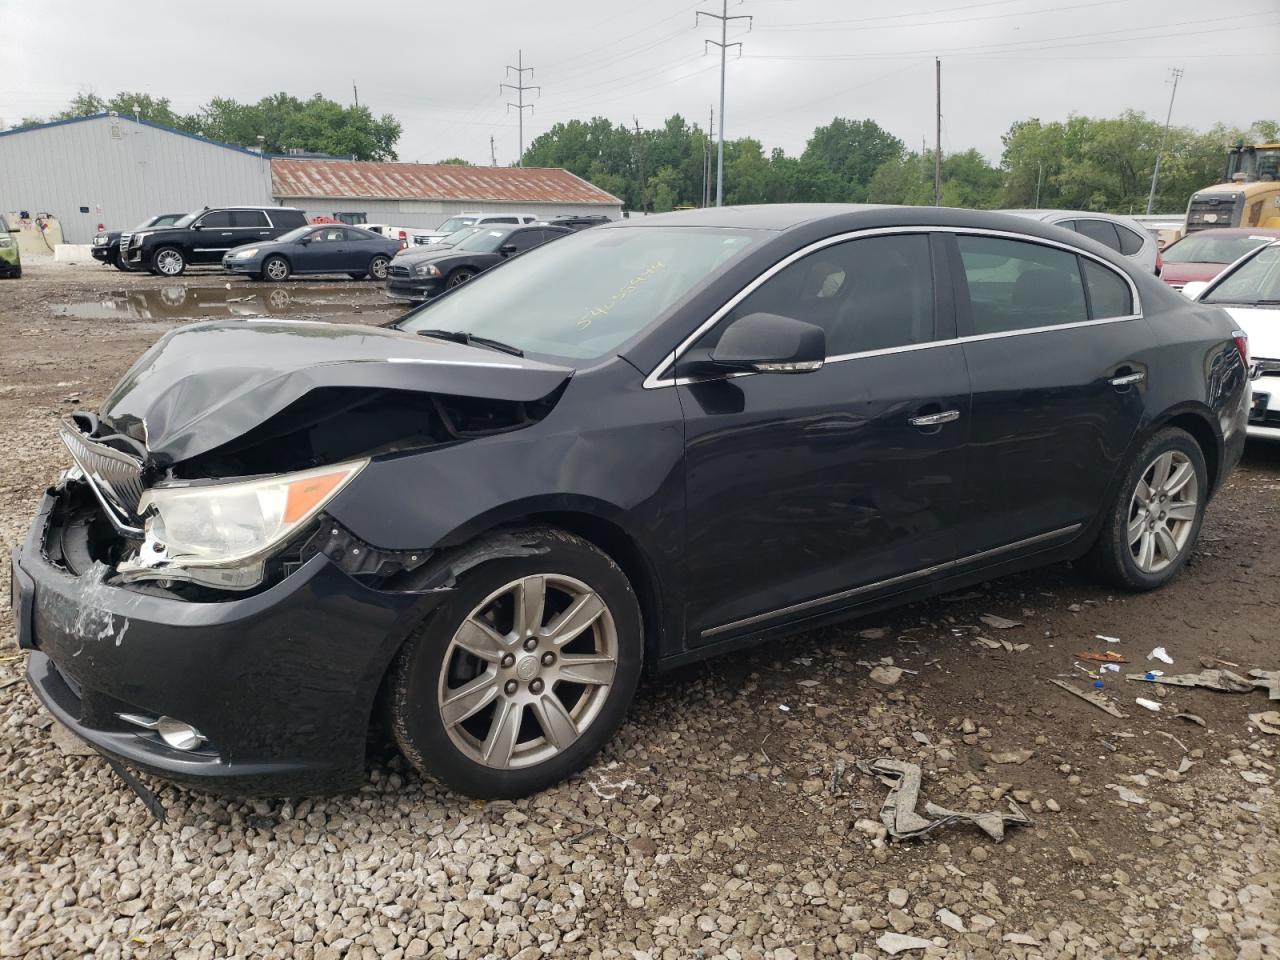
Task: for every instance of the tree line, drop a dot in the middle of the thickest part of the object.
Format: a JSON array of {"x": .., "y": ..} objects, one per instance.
[
  {"x": 1082, "y": 163},
  {"x": 277, "y": 123}
]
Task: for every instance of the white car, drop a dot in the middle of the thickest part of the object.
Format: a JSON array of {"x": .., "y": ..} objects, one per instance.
[
  {"x": 1124, "y": 235},
  {"x": 455, "y": 223},
  {"x": 1249, "y": 290}
]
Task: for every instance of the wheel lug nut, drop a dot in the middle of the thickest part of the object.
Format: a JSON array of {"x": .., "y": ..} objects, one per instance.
[
  {"x": 548, "y": 658},
  {"x": 510, "y": 687},
  {"x": 536, "y": 686},
  {"x": 531, "y": 643},
  {"x": 508, "y": 659}
]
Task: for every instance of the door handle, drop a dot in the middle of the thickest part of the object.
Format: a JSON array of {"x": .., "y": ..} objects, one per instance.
[
  {"x": 1128, "y": 379},
  {"x": 935, "y": 419},
  {"x": 228, "y": 234}
]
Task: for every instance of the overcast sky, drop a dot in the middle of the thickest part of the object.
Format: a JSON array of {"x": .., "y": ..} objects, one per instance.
[{"x": 436, "y": 66}]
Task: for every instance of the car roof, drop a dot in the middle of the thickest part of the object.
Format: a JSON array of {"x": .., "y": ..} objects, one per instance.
[
  {"x": 1234, "y": 232},
  {"x": 1073, "y": 215}
]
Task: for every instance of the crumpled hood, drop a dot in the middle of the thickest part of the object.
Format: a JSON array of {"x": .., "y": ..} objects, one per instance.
[{"x": 205, "y": 384}]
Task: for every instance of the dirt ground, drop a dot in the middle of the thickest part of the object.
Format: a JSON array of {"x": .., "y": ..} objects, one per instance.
[{"x": 728, "y": 818}]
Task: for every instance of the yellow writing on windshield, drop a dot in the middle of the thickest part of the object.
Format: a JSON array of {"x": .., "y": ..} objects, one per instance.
[{"x": 626, "y": 290}]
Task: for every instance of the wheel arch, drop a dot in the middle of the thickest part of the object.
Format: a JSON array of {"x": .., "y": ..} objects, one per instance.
[{"x": 1198, "y": 422}]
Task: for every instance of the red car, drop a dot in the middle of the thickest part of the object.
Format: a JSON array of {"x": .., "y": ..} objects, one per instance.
[{"x": 1206, "y": 253}]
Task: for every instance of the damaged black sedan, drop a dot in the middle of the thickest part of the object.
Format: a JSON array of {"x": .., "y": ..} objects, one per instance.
[{"x": 643, "y": 444}]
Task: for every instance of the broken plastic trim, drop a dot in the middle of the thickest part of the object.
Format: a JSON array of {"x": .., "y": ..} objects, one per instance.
[{"x": 898, "y": 812}]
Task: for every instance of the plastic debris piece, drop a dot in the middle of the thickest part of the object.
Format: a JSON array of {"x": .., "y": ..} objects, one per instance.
[
  {"x": 1223, "y": 681},
  {"x": 1192, "y": 718},
  {"x": 1011, "y": 756},
  {"x": 1269, "y": 680},
  {"x": 1106, "y": 656},
  {"x": 1148, "y": 704},
  {"x": 1125, "y": 794},
  {"x": 1159, "y": 653},
  {"x": 898, "y": 812},
  {"x": 1100, "y": 636},
  {"x": 1092, "y": 696},
  {"x": 989, "y": 644},
  {"x": 784, "y": 708},
  {"x": 951, "y": 920},
  {"x": 999, "y": 623},
  {"x": 886, "y": 675},
  {"x": 1268, "y": 722},
  {"x": 892, "y": 943}
]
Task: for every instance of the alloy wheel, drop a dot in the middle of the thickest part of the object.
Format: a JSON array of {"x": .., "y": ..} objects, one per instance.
[
  {"x": 169, "y": 263},
  {"x": 1162, "y": 511},
  {"x": 458, "y": 279},
  {"x": 528, "y": 671},
  {"x": 277, "y": 269},
  {"x": 378, "y": 269}
]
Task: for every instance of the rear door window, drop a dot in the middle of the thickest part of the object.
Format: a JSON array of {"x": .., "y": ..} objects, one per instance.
[
  {"x": 1017, "y": 285},
  {"x": 1104, "y": 231},
  {"x": 1109, "y": 294}
]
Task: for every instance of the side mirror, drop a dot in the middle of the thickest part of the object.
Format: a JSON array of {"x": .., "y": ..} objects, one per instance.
[
  {"x": 507, "y": 248},
  {"x": 197, "y": 226},
  {"x": 770, "y": 343},
  {"x": 1193, "y": 289},
  {"x": 304, "y": 240}
]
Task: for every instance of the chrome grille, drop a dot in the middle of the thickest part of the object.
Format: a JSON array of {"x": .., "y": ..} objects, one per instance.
[{"x": 116, "y": 476}]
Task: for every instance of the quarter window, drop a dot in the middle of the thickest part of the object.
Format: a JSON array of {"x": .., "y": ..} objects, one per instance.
[
  {"x": 1130, "y": 242},
  {"x": 869, "y": 294},
  {"x": 1014, "y": 285},
  {"x": 1109, "y": 295}
]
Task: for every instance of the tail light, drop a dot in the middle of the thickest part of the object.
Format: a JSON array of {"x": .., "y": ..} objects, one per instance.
[
  {"x": 403, "y": 236},
  {"x": 1242, "y": 344},
  {"x": 1159, "y": 263}
]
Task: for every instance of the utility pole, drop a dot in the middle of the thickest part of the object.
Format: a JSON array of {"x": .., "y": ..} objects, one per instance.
[
  {"x": 1176, "y": 74},
  {"x": 1039, "y": 180},
  {"x": 519, "y": 87},
  {"x": 937, "y": 142},
  {"x": 355, "y": 92},
  {"x": 640, "y": 160},
  {"x": 724, "y": 45},
  {"x": 493, "y": 155},
  {"x": 706, "y": 159}
]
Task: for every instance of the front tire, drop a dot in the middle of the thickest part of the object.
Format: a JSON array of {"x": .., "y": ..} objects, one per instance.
[
  {"x": 118, "y": 262},
  {"x": 458, "y": 278},
  {"x": 1156, "y": 516},
  {"x": 168, "y": 262},
  {"x": 275, "y": 269},
  {"x": 378, "y": 267},
  {"x": 524, "y": 672}
]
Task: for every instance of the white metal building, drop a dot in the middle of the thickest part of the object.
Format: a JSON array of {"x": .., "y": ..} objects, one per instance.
[
  {"x": 426, "y": 194},
  {"x": 117, "y": 171}
]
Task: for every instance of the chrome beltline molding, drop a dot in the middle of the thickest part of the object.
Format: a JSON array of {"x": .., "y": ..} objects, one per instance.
[
  {"x": 654, "y": 380},
  {"x": 890, "y": 582}
]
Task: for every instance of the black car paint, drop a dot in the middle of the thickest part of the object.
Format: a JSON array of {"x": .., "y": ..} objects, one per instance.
[
  {"x": 719, "y": 498},
  {"x": 307, "y": 255},
  {"x": 201, "y": 244},
  {"x": 109, "y": 250},
  {"x": 402, "y": 284}
]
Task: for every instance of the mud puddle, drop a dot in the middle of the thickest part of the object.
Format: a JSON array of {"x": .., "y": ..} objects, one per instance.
[{"x": 182, "y": 302}]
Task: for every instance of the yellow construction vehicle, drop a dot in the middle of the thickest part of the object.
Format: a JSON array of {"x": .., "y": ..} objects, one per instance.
[{"x": 1248, "y": 196}]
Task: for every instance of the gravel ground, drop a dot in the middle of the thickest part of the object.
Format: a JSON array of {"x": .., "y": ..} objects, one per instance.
[{"x": 728, "y": 817}]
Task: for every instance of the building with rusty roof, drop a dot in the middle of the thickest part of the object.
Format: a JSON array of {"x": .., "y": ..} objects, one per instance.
[{"x": 426, "y": 194}]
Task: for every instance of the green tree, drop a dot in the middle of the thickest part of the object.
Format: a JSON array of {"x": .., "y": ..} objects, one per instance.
[
  {"x": 455, "y": 161},
  {"x": 82, "y": 105},
  {"x": 146, "y": 107},
  {"x": 852, "y": 150}
]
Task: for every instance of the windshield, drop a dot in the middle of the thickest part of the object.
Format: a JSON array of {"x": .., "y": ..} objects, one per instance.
[
  {"x": 483, "y": 241},
  {"x": 455, "y": 223},
  {"x": 587, "y": 293},
  {"x": 297, "y": 233},
  {"x": 1206, "y": 248},
  {"x": 1256, "y": 281},
  {"x": 189, "y": 219},
  {"x": 455, "y": 238}
]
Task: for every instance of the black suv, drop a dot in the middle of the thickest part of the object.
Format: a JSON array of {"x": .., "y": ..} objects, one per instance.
[
  {"x": 204, "y": 236},
  {"x": 106, "y": 246}
]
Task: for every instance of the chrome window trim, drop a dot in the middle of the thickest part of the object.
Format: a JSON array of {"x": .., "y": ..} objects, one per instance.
[
  {"x": 654, "y": 380},
  {"x": 891, "y": 581}
]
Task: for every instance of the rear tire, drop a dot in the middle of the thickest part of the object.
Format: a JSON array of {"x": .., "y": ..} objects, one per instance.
[
  {"x": 547, "y": 637},
  {"x": 1152, "y": 524},
  {"x": 120, "y": 264},
  {"x": 378, "y": 267},
  {"x": 275, "y": 269}
]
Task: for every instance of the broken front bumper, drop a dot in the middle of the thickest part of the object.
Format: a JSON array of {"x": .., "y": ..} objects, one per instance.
[{"x": 281, "y": 683}]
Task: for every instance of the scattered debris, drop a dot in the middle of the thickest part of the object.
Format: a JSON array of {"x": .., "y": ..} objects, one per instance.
[
  {"x": 1268, "y": 722},
  {"x": 951, "y": 920},
  {"x": 886, "y": 675},
  {"x": 1103, "y": 636},
  {"x": 1269, "y": 680},
  {"x": 1256, "y": 778},
  {"x": 898, "y": 812},
  {"x": 1081, "y": 856},
  {"x": 837, "y": 778},
  {"x": 999, "y": 623},
  {"x": 921, "y": 738},
  {"x": 1125, "y": 794},
  {"x": 70, "y": 744},
  {"x": 872, "y": 633},
  {"x": 1192, "y": 718},
  {"x": 1160, "y": 654},
  {"x": 1148, "y": 704},
  {"x": 1092, "y": 696},
  {"x": 897, "y": 942},
  {"x": 1011, "y": 756},
  {"x": 1022, "y": 939},
  {"x": 1106, "y": 656},
  {"x": 1223, "y": 681},
  {"x": 807, "y": 683}
]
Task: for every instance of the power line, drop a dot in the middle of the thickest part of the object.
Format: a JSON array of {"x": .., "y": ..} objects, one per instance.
[
  {"x": 519, "y": 87},
  {"x": 724, "y": 45},
  {"x": 1176, "y": 75}
]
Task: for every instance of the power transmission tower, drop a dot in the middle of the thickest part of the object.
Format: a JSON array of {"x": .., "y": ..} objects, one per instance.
[
  {"x": 519, "y": 87},
  {"x": 724, "y": 45},
  {"x": 937, "y": 143},
  {"x": 1175, "y": 75},
  {"x": 355, "y": 92}
]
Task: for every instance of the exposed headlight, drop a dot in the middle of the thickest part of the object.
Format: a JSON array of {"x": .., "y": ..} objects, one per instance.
[
  {"x": 5, "y": 242},
  {"x": 139, "y": 237},
  {"x": 99, "y": 240},
  {"x": 220, "y": 534},
  {"x": 426, "y": 270},
  {"x": 245, "y": 254}
]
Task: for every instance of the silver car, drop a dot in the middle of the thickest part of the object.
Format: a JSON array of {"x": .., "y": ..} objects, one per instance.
[{"x": 1123, "y": 234}]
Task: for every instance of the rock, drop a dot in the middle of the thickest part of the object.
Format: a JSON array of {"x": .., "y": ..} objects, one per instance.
[
  {"x": 900, "y": 921},
  {"x": 898, "y": 897},
  {"x": 892, "y": 943},
  {"x": 1012, "y": 756},
  {"x": 886, "y": 675},
  {"x": 951, "y": 920},
  {"x": 979, "y": 854},
  {"x": 1081, "y": 856}
]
